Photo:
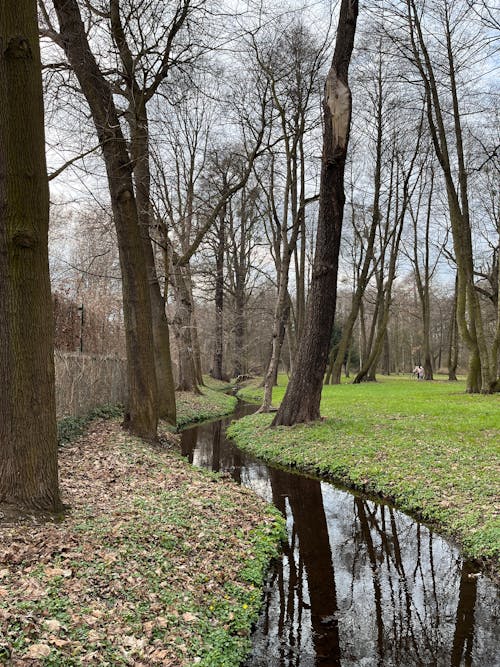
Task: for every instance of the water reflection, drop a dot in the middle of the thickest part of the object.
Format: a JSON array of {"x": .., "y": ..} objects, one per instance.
[{"x": 359, "y": 583}]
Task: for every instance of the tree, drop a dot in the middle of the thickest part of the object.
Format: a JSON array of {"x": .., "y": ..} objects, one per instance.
[
  {"x": 366, "y": 236},
  {"x": 302, "y": 398},
  {"x": 391, "y": 229},
  {"x": 449, "y": 146},
  {"x": 141, "y": 80},
  {"x": 187, "y": 210},
  {"x": 291, "y": 66},
  {"x": 28, "y": 432},
  {"x": 142, "y": 408}
]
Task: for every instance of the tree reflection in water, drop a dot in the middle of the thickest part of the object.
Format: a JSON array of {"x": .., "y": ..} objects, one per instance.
[{"x": 359, "y": 583}]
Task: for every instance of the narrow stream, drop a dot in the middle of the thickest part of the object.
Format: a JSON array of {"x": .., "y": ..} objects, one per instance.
[{"x": 359, "y": 583}]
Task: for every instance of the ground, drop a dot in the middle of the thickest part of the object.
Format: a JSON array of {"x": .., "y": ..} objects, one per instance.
[
  {"x": 428, "y": 446},
  {"x": 156, "y": 562}
]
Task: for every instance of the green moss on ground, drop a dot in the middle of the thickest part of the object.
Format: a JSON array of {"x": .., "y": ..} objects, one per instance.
[
  {"x": 429, "y": 446},
  {"x": 218, "y": 385},
  {"x": 209, "y": 404},
  {"x": 157, "y": 563}
]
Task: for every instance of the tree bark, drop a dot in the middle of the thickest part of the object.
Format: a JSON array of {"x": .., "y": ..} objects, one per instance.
[
  {"x": 217, "y": 371},
  {"x": 302, "y": 399},
  {"x": 138, "y": 123},
  {"x": 28, "y": 432},
  {"x": 142, "y": 409},
  {"x": 281, "y": 314},
  {"x": 453, "y": 339},
  {"x": 182, "y": 323}
]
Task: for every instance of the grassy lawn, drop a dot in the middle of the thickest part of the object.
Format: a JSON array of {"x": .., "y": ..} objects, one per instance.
[
  {"x": 428, "y": 446},
  {"x": 156, "y": 563}
]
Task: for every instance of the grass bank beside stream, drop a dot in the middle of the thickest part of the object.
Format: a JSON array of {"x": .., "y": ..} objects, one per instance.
[
  {"x": 212, "y": 403},
  {"x": 428, "y": 446},
  {"x": 156, "y": 563}
]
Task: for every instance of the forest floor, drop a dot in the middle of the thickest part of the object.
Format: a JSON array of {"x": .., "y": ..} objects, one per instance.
[
  {"x": 429, "y": 447},
  {"x": 155, "y": 563}
]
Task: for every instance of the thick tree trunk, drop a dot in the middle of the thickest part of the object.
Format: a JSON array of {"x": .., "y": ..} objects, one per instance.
[
  {"x": 302, "y": 399},
  {"x": 142, "y": 409},
  {"x": 182, "y": 323},
  {"x": 161, "y": 336},
  {"x": 28, "y": 433}
]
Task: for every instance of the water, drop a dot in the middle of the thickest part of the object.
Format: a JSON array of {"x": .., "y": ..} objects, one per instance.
[{"x": 359, "y": 583}]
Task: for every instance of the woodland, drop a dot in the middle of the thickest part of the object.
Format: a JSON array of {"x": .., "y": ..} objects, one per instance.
[
  {"x": 237, "y": 189},
  {"x": 299, "y": 200}
]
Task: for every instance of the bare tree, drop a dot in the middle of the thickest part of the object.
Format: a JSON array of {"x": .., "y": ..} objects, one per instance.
[
  {"x": 142, "y": 408},
  {"x": 448, "y": 142},
  {"x": 291, "y": 65},
  {"x": 302, "y": 399}
]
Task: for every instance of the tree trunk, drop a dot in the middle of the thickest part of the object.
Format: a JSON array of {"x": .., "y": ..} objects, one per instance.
[
  {"x": 453, "y": 339},
  {"x": 196, "y": 342},
  {"x": 426, "y": 333},
  {"x": 302, "y": 399},
  {"x": 182, "y": 323},
  {"x": 481, "y": 376},
  {"x": 239, "y": 327},
  {"x": 161, "y": 336},
  {"x": 363, "y": 277},
  {"x": 217, "y": 371},
  {"x": 28, "y": 432},
  {"x": 386, "y": 366},
  {"x": 281, "y": 314},
  {"x": 142, "y": 409}
]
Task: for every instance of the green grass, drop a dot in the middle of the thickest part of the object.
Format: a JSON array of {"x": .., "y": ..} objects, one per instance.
[
  {"x": 218, "y": 385},
  {"x": 210, "y": 404},
  {"x": 428, "y": 446}
]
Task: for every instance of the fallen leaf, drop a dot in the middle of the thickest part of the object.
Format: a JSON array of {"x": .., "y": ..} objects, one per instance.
[
  {"x": 52, "y": 625},
  {"x": 36, "y": 651}
]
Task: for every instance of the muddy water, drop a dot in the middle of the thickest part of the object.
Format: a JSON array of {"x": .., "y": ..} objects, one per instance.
[{"x": 359, "y": 583}]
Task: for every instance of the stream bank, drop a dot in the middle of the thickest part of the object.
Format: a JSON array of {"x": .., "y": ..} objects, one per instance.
[
  {"x": 358, "y": 583},
  {"x": 429, "y": 447},
  {"x": 156, "y": 563}
]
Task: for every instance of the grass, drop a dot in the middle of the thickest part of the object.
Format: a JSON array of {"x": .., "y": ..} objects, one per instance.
[
  {"x": 218, "y": 385},
  {"x": 211, "y": 403},
  {"x": 156, "y": 563},
  {"x": 428, "y": 446}
]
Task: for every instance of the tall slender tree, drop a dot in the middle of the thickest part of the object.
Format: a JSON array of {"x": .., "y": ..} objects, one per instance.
[
  {"x": 302, "y": 398},
  {"x": 28, "y": 434},
  {"x": 448, "y": 143}
]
